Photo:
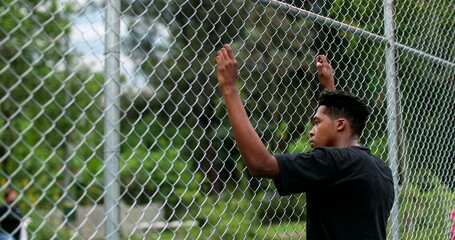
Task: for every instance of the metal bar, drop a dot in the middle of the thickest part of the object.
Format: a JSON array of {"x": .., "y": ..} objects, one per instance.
[
  {"x": 111, "y": 121},
  {"x": 391, "y": 112},
  {"x": 285, "y": 7}
]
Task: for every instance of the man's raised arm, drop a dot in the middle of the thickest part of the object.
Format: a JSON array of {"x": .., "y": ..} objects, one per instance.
[
  {"x": 259, "y": 161},
  {"x": 325, "y": 73}
]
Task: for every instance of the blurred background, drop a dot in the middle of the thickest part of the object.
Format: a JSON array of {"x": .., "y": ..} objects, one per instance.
[{"x": 112, "y": 126}]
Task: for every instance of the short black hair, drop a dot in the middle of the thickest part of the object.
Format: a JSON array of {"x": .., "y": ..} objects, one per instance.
[{"x": 343, "y": 104}]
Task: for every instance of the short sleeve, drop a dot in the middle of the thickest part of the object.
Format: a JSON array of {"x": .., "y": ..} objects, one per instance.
[{"x": 305, "y": 171}]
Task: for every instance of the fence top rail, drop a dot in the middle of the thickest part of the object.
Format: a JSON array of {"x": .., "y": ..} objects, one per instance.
[{"x": 289, "y": 8}]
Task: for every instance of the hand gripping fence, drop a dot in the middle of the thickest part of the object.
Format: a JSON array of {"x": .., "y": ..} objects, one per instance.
[{"x": 112, "y": 125}]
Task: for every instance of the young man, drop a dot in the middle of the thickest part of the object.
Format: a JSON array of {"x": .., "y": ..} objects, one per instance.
[{"x": 349, "y": 191}]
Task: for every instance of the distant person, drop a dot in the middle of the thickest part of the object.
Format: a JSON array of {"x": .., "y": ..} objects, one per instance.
[
  {"x": 349, "y": 191},
  {"x": 10, "y": 217}
]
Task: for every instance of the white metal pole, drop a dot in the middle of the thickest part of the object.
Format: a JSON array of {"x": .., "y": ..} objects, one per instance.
[
  {"x": 392, "y": 112},
  {"x": 111, "y": 121}
]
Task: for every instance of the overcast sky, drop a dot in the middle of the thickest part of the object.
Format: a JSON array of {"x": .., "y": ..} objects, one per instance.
[{"x": 87, "y": 37}]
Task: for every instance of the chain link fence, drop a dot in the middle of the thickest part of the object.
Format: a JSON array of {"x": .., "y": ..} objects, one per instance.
[{"x": 112, "y": 126}]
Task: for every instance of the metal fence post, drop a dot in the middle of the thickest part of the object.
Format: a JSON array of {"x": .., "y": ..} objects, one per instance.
[
  {"x": 391, "y": 111},
  {"x": 111, "y": 122}
]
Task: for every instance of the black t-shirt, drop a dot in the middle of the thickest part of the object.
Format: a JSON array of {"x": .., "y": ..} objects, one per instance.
[
  {"x": 10, "y": 220},
  {"x": 349, "y": 191}
]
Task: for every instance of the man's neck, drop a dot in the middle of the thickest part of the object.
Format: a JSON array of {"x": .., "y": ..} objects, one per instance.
[{"x": 349, "y": 142}]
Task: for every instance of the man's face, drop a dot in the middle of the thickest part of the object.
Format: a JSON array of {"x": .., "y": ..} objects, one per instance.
[{"x": 323, "y": 133}]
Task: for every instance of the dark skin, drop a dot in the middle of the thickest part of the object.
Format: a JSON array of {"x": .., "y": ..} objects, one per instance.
[
  {"x": 325, "y": 73},
  {"x": 260, "y": 162}
]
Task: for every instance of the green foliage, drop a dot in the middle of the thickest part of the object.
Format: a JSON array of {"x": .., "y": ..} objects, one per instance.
[
  {"x": 179, "y": 140},
  {"x": 45, "y": 228},
  {"x": 155, "y": 167},
  {"x": 285, "y": 230},
  {"x": 302, "y": 144},
  {"x": 40, "y": 119},
  {"x": 228, "y": 217},
  {"x": 426, "y": 26},
  {"x": 277, "y": 209},
  {"x": 426, "y": 88},
  {"x": 425, "y": 206},
  {"x": 378, "y": 147}
]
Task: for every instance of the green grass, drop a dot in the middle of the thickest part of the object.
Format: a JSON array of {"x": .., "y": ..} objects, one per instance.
[{"x": 284, "y": 230}]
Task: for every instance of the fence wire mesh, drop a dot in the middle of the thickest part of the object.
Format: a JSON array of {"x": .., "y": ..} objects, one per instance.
[{"x": 179, "y": 173}]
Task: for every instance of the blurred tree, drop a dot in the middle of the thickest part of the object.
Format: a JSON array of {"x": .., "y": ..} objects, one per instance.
[
  {"x": 177, "y": 128},
  {"x": 43, "y": 105},
  {"x": 274, "y": 57},
  {"x": 176, "y": 41}
]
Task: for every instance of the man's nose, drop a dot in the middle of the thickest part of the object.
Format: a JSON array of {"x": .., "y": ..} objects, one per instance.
[{"x": 311, "y": 132}]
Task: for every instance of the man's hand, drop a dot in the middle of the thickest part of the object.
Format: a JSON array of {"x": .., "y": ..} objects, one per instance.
[
  {"x": 258, "y": 159},
  {"x": 226, "y": 68},
  {"x": 325, "y": 73}
]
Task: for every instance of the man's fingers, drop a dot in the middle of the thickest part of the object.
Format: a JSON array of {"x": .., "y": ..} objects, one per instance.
[
  {"x": 219, "y": 57},
  {"x": 321, "y": 59},
  {"x": 224, "y": 55},
  {"x": 229, "y": 51}
]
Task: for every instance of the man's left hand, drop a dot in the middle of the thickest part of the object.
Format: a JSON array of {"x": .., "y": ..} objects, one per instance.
[{"x": 226, "y": 68}]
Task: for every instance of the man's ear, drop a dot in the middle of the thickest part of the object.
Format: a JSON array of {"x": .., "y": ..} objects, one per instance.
[{"x": 341, "y": 124}]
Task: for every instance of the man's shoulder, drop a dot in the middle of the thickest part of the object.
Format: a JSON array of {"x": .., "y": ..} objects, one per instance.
[
  {"x": 360, "y": 156},
  {"x": 345, "y": 152},
  {"x": 336, "y": 154},
  {"x": 359, "y": 148},
  {"x": 352, "y": 152},
  {"x": 328, "y": 153}
]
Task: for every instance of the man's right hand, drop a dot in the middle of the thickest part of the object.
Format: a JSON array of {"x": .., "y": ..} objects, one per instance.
[
  {"x": 226, "y": 68},
  {"x": 325, "y": 73}
]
